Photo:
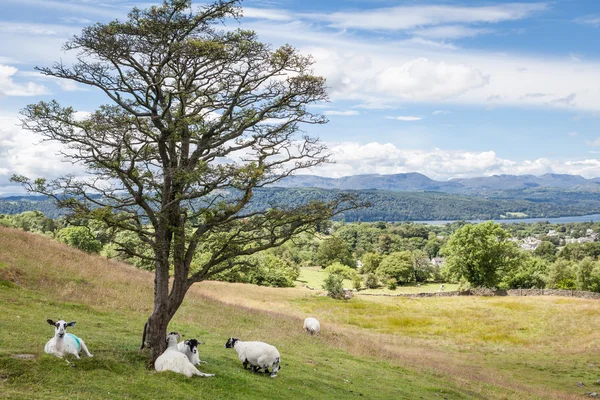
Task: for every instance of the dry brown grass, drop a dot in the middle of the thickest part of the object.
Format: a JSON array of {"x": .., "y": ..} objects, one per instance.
[{"x": 459, "y": 345}]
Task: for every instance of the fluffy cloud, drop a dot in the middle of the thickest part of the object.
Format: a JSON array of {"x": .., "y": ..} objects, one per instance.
[
  {"x": 9, "y": 88},
  {"x": 355, "y": 158},
  {"x": 23, "y": 153},
  {"x": 422, "y": 79}
]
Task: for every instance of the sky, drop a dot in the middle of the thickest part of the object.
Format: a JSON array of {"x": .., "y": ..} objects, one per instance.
[{"x": 445, "y": 88}]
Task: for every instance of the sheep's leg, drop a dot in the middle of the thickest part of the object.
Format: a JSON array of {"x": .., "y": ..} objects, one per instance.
[
  {"x": 245, "y": 364},
  {"x": 85, "y": 350}
]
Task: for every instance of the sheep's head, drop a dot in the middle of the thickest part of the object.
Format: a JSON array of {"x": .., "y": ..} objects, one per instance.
[
  {"x": 231, "y": 342},
  {"x": 193, "y": 345},
  {"x": 173, "y": 338},
  {"x": 60, "y": 327}
]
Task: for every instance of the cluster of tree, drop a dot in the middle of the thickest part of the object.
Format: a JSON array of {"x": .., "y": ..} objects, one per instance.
[{"x": 386, "y": 205}]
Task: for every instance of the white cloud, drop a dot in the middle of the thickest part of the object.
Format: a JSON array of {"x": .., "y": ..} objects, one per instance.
[
  {"x": 341, "y": 113},
  {"x": 572, "y": 134},
  {"x": 594, "y": 143},
  {"x": 353, "y": 66},
  {"x": 9, "y": 88},
  {"x": 405, "y": 118},
  {"x": 593, "y": 20},
  {"x": 449, "y": 32},
  {"x": 267, "y": 13},
  {"x": 408, "y": 17},
  {"x": 22, "y": 152},
  {"x": 355, "y": 158},
  {"x": 441, "y": 112},
  {"x": 422, "y": 79}
]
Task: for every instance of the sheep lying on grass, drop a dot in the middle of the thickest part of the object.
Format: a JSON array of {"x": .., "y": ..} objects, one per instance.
[
  {"x": 312, "y": 325},
  {"x": 258, "y": 354},
  {"x": 174, "y": 360},
  {"x": 190, "y": 349},
  {"x": 64, "y": 343}
]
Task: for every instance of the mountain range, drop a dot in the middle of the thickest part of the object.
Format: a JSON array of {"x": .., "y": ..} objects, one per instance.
[{"x": 416, "y": 182}]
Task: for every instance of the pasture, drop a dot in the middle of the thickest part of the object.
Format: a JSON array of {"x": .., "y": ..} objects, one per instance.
[{"x": 370, "y": 347}]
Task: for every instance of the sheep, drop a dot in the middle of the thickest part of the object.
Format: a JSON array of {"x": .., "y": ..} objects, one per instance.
[
  {"x": 173, "y": 360},
  {"x": 258, "y": 354},
  {"x": 312, "y": 325},
  {"x": 190, "y": 349},
  {"x": 64, "y": 343}
]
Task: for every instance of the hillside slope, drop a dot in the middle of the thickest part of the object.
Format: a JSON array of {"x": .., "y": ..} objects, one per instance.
[{"x": 41, "y": 279}]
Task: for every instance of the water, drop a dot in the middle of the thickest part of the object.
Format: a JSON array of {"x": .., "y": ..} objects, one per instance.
[{"x": 555, "y": 220}]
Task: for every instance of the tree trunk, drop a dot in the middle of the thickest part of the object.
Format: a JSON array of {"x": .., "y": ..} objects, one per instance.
[{"x": 165, "y": 308}]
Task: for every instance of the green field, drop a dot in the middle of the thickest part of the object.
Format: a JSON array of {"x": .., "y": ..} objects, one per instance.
[
  {"x": 370, "y": 347},
  {"x": 314, "y": 276}
]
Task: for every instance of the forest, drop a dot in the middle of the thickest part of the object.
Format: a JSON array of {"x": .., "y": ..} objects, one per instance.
[{"x": 394, "y": 206}]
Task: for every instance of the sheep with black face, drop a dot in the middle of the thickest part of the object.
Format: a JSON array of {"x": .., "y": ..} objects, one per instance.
[
  {"x": 190, "y": 349},
  {"x": 174, "y": 360},
  {"x": 64, "y": 343}
]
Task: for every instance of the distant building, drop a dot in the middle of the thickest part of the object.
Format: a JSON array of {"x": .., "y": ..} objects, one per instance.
[
  {"x": 530, "y": 243},
  {"x": 552, "y": 232},
  {"x": 578, "y": 240},
  {"x": 437, "y": 261}
]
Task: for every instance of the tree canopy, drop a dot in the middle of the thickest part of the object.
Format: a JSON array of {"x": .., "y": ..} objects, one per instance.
[{"x": 480, "y": 253}]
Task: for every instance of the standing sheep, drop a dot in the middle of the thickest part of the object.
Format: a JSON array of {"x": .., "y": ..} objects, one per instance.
[
  {"x": 312, "y": 325},
  {"x": 174, "y": 360},
  {"x": 258, "y": 354},
  {"x": 64, "y": 343}
]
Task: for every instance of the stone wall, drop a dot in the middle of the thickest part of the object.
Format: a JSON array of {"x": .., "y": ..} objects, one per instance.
[{"x": 489, "y": 292}]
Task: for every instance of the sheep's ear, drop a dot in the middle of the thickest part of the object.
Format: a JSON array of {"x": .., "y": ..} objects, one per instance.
[
  {"x": 71, "y": 323},
  {"x": 187, "y": 342},
  {"x": 49, "y": 321}
]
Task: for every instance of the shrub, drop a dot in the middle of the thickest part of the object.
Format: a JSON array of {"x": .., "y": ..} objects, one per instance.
[
  {"x": 392, "y": 284},
  {"x": 334, "y": 287},
  {"x": 339, "y": 269},
  {"x": 370, "y": 280},
  {"x": 357, "y": 282}
]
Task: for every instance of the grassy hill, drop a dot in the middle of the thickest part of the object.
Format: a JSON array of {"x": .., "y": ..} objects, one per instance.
[{"x": 373, "y": 348}]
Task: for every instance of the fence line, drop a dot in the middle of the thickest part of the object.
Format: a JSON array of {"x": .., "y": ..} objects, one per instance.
[{"x": 489, "y": 292}]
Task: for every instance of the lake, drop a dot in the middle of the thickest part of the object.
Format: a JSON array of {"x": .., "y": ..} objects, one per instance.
[{"x": 555, "y": 220}]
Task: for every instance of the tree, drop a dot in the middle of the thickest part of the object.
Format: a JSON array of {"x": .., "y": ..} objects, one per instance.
[
  {"x": 370, "y": 262},
  {"x": 334, "y": 249},
  {"x": 546, "y": 250},
  {"x": 398, "y": 266},
  {"x": 197, "y": 119},
  {"x": 79, "y": 237},
  {"x": 480, "y": 253}
]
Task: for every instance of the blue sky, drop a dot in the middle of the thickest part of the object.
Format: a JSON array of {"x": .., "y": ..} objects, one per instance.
[{"x": 445, "y": 88}]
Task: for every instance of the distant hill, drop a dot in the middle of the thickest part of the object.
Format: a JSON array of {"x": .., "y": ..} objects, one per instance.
[
  {"x": 396, "y": 205},
  {"x": 413, "y": 182}
]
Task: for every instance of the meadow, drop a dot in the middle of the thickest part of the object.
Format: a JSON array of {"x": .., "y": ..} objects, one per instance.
[{"x": 370, "y": 347}]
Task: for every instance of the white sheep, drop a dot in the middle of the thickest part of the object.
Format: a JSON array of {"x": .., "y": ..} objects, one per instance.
[
  {"x": 174, "y": 360},
  {"x": 64, "y": 343},
  {"x": 312, "y": 325},
  {"x": 190, "y": 349},
  {"x": 258, "y": 354}
]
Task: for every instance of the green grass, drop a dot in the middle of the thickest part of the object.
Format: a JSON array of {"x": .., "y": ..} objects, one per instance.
[
  {"x": 369, "y": 347},
  {"x": 314, "y": 276},
  {"x": 59, "y": 282}
]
